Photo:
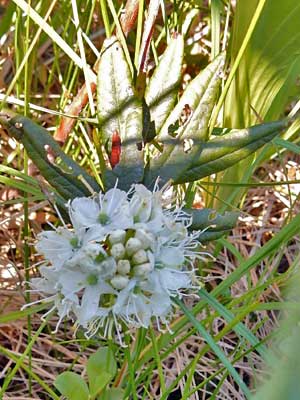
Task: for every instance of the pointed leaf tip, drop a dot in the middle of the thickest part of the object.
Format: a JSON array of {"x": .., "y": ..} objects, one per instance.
[
  {"x": 213, "y": 224},
  {"x": 227, "y": 150}
]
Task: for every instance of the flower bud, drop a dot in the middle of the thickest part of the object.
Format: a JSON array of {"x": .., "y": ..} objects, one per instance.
[
  {"x": 107, "y": 268},
  {"x": 143, "y": 269},
  {"x": 140, "y": 257},
  {"x": 146, "y": 238},
  {"x": 133, "y": 245},
  {"x": 117, "y": 236},
  {"x": 119, "y": 282},
  {"x": 118, "y": 251},
  {"x": 93, "y": 250},
  {"x": 123, "y": 267}
]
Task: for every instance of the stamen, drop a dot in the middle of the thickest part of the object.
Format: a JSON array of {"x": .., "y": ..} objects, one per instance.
[
  {"x": 86, "y": 184},
  {"x": 112, "y": 199},
  {"x": 44, "y": 300},
  {"x": 122, "y": 344},
  {"x": 51, "y": 225},
  {"x": 59, "y": 215}
]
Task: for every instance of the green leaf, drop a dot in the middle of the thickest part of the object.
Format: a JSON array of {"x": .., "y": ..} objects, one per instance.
[
  {"x": 64, "y": 174},
  {"x": 15, "y": 315},
  {"x": 192, "y": 96},
  {"x": 214, "y": 225},
  {"x": 197, "y": 101},
  {"x": 119, "y": 112},
  {"x": 161, "y": 92},
  {"x": 216, "y": 9},
  {"x": 72, "y": 386},
  {"x": 217, "y": 131},
  {"x": 6, "y": 19},
  {"x": 266, "y": 77},
  {"x": 294, "y": 148},
  {"x": 225, "y": 151},
  {"x": 269, "y": 68},
  {"x": 101, "y": 368},
  {"x": 112, "y": 394}
]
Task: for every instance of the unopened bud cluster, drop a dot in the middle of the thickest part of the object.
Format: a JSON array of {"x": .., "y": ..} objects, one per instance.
[{"x": 131, "y": 254}]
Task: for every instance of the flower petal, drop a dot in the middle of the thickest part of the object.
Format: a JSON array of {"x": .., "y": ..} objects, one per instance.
[
  {"x": 171, "y": 256},
  {"x": 56, "y": 246},
  {"x": 84, "y": 212}
]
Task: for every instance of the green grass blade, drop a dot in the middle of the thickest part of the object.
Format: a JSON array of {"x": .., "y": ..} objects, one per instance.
[
  {"x": 287, "y": 145},
  {"x": 237, "y": 61},
  {"x": 214, "y": 346},
  {"x": 240, "y": 328},
  {"x": 6, "y": 19},
  {"x": 216, "y": 7},
  {"x": 23, "y": 186},
  {"x": 28, "y": 10},
  {"x": 15, "y": 315},
  {"x": 282, "y": 237},
  {"x": 39, "y": 380}
]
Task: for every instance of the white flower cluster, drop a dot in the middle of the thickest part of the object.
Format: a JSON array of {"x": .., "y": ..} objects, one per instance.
[{"x": 123, "y": 260}]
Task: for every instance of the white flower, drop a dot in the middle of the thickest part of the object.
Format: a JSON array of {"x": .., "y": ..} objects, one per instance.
[
  {"x": 146, "y": 209},
  {"x": 101, "y": 215},
  {"x": 124, "y": 259},
  {"x": 57, "y": 246},
  {"x": 89, "y": 306}
]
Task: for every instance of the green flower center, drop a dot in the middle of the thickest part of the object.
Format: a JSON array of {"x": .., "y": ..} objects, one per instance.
[
  {"x": 74, "y": 242},
  {"x": 100, "y": 257},
  {"x": 103, "y": 218},
  {"x": 92, "y": 280}
]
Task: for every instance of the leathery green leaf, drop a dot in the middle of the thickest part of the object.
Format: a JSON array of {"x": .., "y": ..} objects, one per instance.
[
  {"x": 112, "y": 394},
  {"x": 72, "y": 386},
  {"x": 62, "y": 173},
  {"x": 187, "y": 126},
  {"x": 161, "y": 92},
  {"x": 101, "y": 368},
  {"x": 213, "y": 224},
  {"x": 120, "y": 115},
  {"x": 223, "y": 152},
  {"x": 191, "y": 97}
]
